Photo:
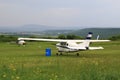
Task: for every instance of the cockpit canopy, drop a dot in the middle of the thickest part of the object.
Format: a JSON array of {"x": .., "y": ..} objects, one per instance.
[{"x": 64, "y": 43}]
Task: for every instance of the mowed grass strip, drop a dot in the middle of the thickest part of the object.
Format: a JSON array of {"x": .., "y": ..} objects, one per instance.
[{"x": 30, "y": 62}]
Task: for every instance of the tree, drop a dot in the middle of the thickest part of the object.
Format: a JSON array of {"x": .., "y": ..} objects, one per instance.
[
  {"x": 7, "y": 38},
  {"x": 70, "y": 36},
  {"x": 61, "y": 36},
  {"x": 114, "y": 38}
]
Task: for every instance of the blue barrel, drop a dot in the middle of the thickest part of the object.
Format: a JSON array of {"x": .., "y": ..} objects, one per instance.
[{"x": 48, "y": 52}]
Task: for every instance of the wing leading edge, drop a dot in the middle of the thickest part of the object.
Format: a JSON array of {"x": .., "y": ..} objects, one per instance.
[{"x": 61, "y": 40}]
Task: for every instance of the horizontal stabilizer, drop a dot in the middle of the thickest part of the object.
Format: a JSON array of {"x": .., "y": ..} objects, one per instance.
[{"x": 94, "y": 48}]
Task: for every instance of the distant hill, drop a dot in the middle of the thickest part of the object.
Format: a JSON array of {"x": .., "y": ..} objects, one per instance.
[
  {"x": 33, "y": 28},
  {"x": 25, "y": 28},
  {"x": 57, "y": 32},
  {"x": 104, "y": 33}
]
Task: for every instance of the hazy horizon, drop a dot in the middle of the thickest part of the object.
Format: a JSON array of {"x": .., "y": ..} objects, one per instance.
[{"x": 71, "y": 26}]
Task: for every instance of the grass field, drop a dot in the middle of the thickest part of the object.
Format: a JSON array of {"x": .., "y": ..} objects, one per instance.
[{"x": 30, "y": 63}]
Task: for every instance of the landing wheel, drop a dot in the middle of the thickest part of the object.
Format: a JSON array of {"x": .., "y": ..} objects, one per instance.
[
  {"x": 57, "y": 54},
  {"x": 77, "y": 54},
  {"x": 60, "y": 53}
]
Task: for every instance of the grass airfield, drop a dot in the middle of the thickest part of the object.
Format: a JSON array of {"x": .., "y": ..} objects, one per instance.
[{"x": 30, "y": 62}]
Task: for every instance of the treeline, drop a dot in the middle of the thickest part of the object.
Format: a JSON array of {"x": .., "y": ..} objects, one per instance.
[
  {"x": 7, "y": 38},
  {"x": 61, "y": 36},
  {"x": 72, "y": 36},
  {"x": 115, "y": 38},
  {"x": 69, "y": 36}
]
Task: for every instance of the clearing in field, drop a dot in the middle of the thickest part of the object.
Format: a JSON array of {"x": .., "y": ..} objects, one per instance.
[{"x": 30, "y": 63}]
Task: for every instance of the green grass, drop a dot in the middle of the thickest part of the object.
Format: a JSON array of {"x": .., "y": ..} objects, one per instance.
[{"x": 30, "y": 63}]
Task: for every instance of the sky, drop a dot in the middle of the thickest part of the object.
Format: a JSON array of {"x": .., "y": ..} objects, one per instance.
[{"x": 60, "y": 13}]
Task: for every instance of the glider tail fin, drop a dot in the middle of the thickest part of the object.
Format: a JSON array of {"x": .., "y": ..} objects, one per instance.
[
  {"x": 89, "y": 36},
  {"x": 85, "y": 44}
]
